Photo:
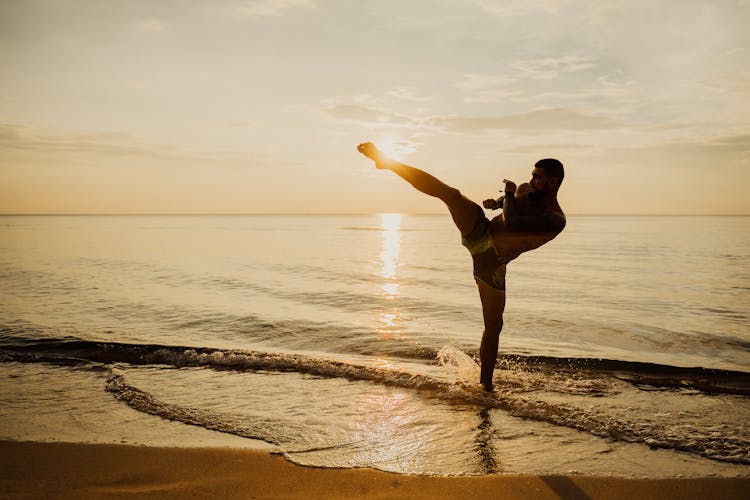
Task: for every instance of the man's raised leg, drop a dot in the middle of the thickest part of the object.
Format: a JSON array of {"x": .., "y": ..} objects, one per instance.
[{"x": 465, "y": 213}]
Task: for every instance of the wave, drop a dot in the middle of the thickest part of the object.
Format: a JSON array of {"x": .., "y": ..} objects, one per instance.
[
  {"x": 641, "y": 374},
  {"x": 144, "y": 402},
  {"x": 70, "y": 352},
  {"x": 519, "y": 377}
]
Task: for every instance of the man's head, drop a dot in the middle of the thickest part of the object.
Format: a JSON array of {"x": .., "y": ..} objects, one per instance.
[{"x": 546, "y": 177}]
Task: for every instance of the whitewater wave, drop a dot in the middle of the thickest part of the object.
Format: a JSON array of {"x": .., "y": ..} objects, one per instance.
[
  {"x": 519, "y": 382},
  {"x": 647, "y": 375}
]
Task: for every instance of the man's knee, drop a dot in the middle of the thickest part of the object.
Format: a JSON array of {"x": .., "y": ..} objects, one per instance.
[
  {"x": 498, "y": 325},
  {"x": 493, "y": 328},
  {"x": 450, "y": 195}
]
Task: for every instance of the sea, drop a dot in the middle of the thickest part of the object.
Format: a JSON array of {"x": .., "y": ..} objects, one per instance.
[{"x": 352, "y": 341}]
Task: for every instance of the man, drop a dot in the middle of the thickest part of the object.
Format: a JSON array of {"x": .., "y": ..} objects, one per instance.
[{"x": 524, "y": 225}]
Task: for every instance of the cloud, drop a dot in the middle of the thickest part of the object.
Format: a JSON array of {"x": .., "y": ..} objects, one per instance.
[
  {"x": 245, "y": 123},
  {"x": 557, "y": 147},
  {"x": 590, "y": 12},
  {"x": 538, "y": 120},
  {"x": 150, "y": 25},
  {"x": 734, "y": 50},
  {"x": 696, "y": 155},
  {"x": 736, "y": 143},
  {"x": 494, "y": 95},
  {"x": 26, "y": 139},
  {"x": 265, "y": 8},
  {"x": 488, "y": 88},
  {"x": 406, "y": 94},
  {"x": 548, "y": 68},
  {"x": 355, "y": 112},
  {"x": 512, "y": 84},
  {"x": 474, "y": 81},
  {"x": 512, "y": 8},
  {"x": 20, "y": 141},
  {"x": 370, "y": 115}
]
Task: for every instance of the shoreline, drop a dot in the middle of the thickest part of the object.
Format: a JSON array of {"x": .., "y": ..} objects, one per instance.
[{"x": 71, "y": 470}]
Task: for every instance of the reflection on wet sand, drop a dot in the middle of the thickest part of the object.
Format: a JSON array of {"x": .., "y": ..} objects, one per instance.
[{"x": 483, "y": 446}]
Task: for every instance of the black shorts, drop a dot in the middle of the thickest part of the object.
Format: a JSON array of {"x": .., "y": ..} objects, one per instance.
[{"x": 489, "y": 268}]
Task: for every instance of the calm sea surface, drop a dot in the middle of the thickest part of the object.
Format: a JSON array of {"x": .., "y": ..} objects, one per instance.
[{"x": 348, "y": 341}]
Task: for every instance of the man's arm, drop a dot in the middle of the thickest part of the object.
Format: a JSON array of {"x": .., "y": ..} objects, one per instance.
[
  {"x": 493, "y": 204},
  {"x": 553, "y": 222},
  {"x": 521, "y": 192}
]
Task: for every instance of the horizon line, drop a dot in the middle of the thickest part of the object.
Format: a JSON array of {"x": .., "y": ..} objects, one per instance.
[{"x": 298, "y": 214}]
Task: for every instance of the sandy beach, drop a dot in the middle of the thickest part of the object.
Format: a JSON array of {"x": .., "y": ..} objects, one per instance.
[{"x": 62, "y": 470}]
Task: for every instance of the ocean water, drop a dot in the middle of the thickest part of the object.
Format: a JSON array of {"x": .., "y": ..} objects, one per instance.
[{"x": 350, "y": 341}]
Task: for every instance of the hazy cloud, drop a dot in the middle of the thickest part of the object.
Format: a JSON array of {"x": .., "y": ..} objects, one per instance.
[
  {"x": 370, "y": 115},
  {"x": 473, "y": 82},
  {"x": 509, "y": 85},
  {"x": 539, "y": 120},
  {"x": 64, "y": 146},
  {"x": 263, "y": 8},
  {"x": 150, "y": 25},
  {"x": 510, "y": 8},
  {"x": 594, "y": 12},
  {"x": 558, "y": 147},
  {"x": 738, "y": 143},
  {"x": 356, "y": 112},
  {"x": 406, "y": 94},
  {"x": 23, "y": 138},
  {"x": 488, "y": 87},
  {"x": 548, "y": 68}
]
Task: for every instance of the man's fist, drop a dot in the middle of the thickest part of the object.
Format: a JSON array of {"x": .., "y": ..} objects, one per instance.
[{"x": 491, "y": 204}]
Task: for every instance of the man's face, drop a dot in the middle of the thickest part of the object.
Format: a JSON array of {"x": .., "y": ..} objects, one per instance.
[{"x": 539, "y": 183}]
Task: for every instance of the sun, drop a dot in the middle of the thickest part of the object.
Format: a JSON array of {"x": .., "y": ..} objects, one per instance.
[{"x": 394, "y": 147}]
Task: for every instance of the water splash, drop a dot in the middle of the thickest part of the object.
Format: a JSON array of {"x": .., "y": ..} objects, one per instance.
[{"x": 459, "y": 364}]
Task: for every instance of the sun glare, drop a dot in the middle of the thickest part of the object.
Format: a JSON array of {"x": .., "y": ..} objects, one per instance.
[{"x": 394, "y": 147}]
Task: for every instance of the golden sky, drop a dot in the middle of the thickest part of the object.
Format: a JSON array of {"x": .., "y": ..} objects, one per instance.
[{"x": 242, "y": 106}]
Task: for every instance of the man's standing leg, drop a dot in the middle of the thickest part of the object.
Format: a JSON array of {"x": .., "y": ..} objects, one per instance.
[{"x": 493, "y": 306}]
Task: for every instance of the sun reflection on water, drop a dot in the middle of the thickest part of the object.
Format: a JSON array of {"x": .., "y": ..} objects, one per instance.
[
  {"x": 386, "y": 419},
  {"x": 390, "y": 249},
  {"x": 390, "y": 244}
]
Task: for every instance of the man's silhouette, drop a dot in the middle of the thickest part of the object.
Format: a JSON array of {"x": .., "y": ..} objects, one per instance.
[{"x": 526, "y": 223}]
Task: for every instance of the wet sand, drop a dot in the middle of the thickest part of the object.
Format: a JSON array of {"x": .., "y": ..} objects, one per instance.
[{"x": 62, "y": 470}]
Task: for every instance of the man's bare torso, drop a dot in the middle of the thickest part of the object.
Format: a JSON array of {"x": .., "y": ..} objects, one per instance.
[{"x": 512, "y": 243}]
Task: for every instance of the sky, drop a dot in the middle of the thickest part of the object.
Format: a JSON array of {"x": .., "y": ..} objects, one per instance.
[{"x": 257, "y": 106}]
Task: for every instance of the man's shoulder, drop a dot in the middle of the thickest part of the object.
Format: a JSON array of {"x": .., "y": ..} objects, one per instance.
[
  {"x": 557, "y": 219},
  {"x": 548, "y": 219}
]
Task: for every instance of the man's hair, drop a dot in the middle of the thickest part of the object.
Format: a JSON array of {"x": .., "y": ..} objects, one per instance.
[{"x": 553, "y": 167}]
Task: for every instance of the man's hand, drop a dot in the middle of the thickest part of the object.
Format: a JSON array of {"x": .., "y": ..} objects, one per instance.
[
  {"x": 510, "y": 187},
  {"x": 491, "y": 204}
]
